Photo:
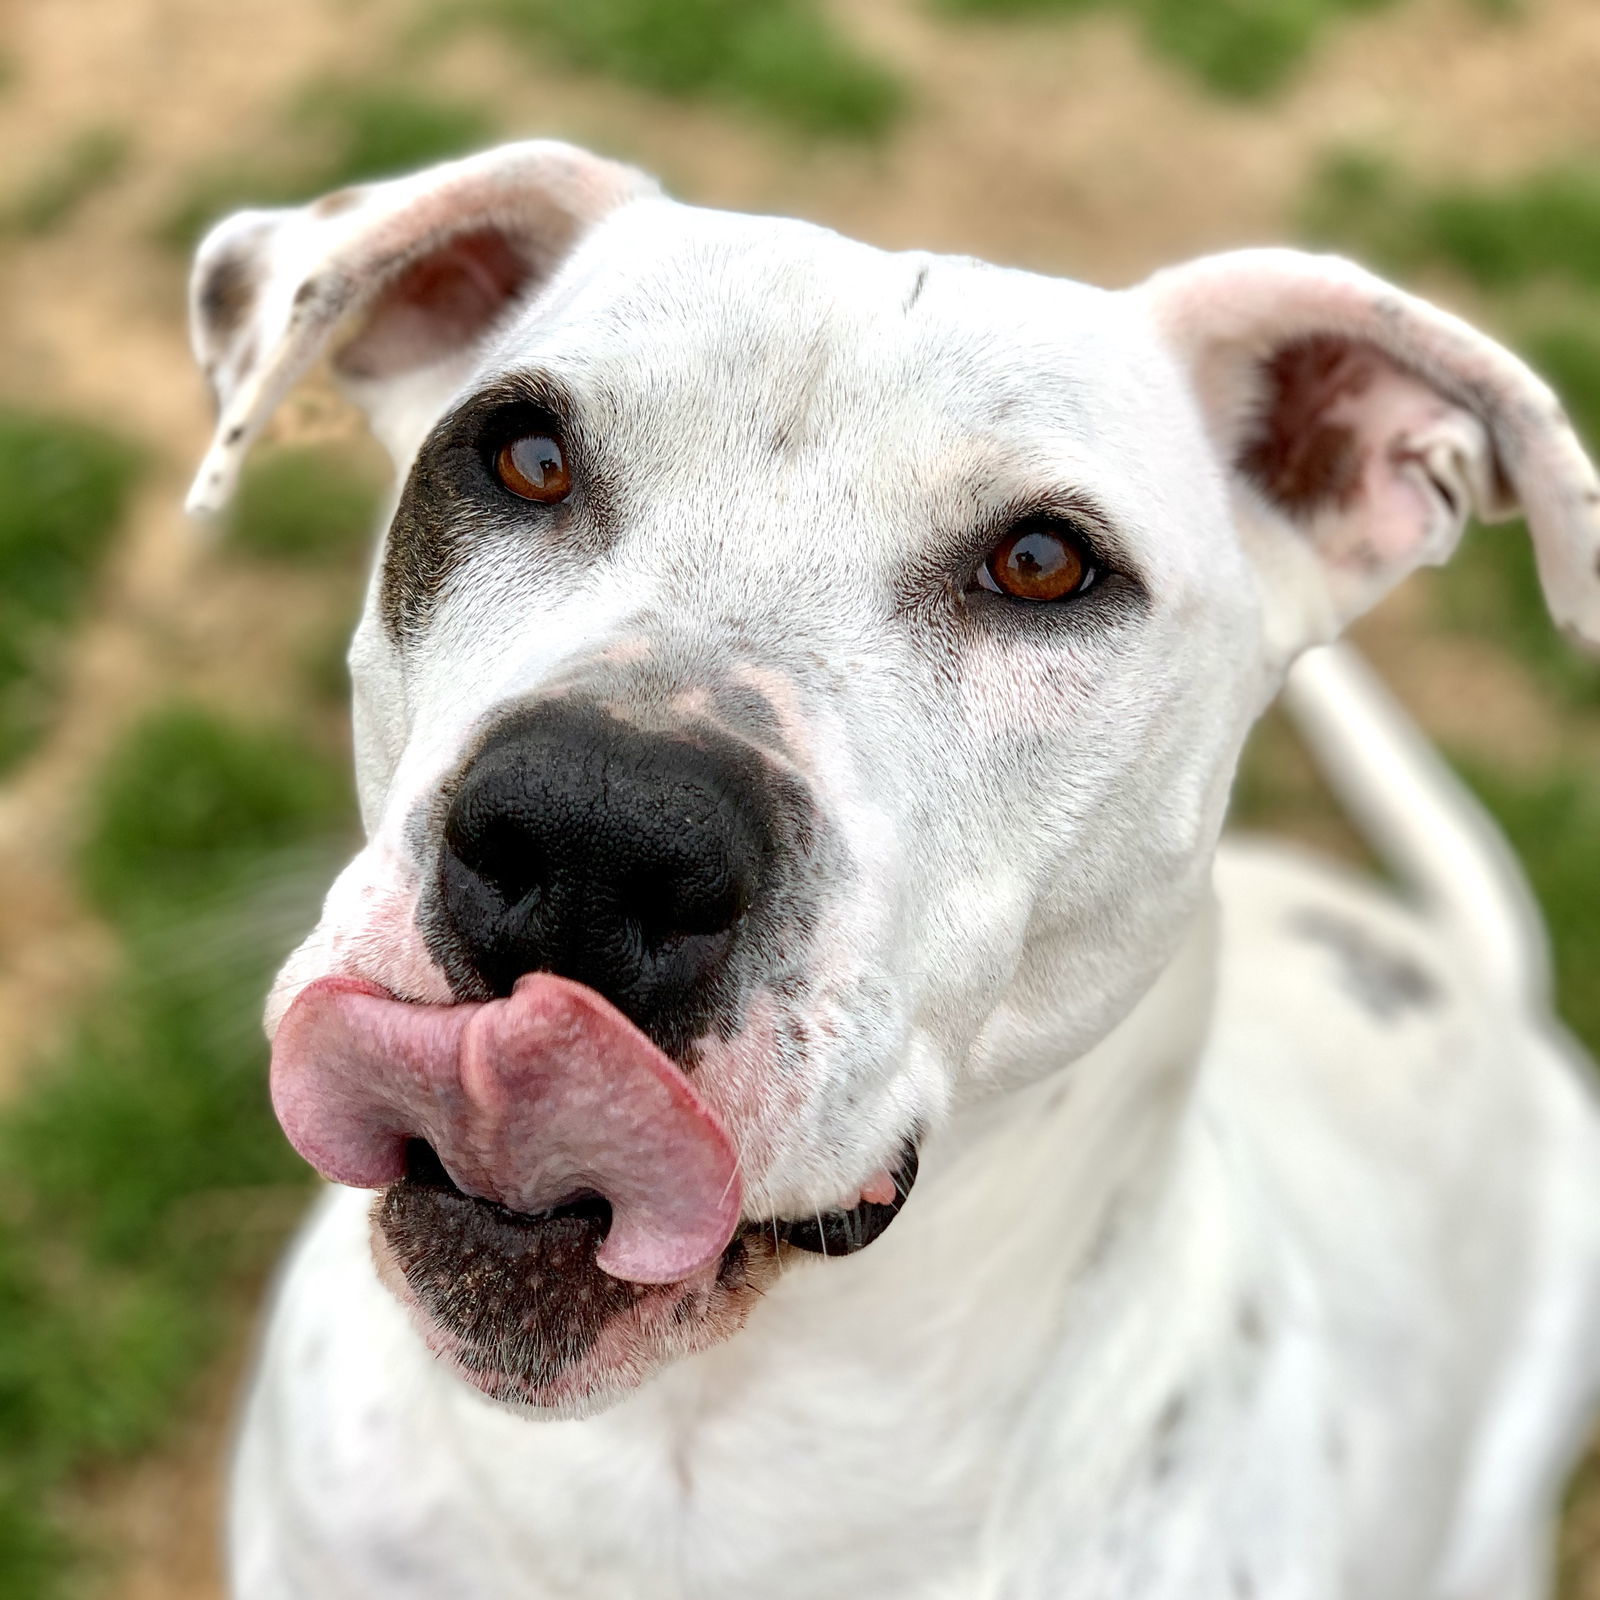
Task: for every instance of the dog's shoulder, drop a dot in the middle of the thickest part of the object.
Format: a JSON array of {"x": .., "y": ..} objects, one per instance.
[
  {"x": 1292, "y": 917},
  {"x": 1431, "y": 1155},
  {"x": 1349, "y": 1021}
]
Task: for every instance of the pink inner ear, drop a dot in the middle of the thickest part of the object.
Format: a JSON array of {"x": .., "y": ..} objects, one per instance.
[
  {"x": 1373, "y": 459},
  {"x": 439, "y": 304}
]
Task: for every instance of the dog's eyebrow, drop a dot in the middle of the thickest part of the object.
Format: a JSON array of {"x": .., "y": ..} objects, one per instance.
[
  {"x": 1068, "y": 504},
  {"x": 535, "y": 389}
]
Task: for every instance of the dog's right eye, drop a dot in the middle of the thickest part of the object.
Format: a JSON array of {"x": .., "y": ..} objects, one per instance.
[{"x": 534, "y": 467}]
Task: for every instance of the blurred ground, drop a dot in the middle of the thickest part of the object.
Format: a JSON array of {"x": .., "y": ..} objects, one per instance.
[{"x": 1057, "y": 145}]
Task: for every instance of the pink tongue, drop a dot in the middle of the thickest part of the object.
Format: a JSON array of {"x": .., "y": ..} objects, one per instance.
[{"x": 529, "y": 1102}]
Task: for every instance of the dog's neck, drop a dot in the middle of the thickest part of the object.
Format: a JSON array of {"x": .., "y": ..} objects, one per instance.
[
  {"x": 1077, "y": 1151},
  {"x": 1019, "y": 1204}
]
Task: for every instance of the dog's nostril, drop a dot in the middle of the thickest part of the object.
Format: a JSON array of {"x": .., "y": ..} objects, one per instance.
[
  {"x": 499, "y": 851},
  {"x": 666, "y": 905}
]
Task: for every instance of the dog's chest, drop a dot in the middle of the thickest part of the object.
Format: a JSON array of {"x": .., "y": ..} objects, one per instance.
[
  {"x": 780, "y": 1474},
  {"x": 368, "y": 1469}
]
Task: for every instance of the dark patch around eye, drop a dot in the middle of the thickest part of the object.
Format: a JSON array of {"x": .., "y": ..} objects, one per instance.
[{"x": 452, "y": 504}]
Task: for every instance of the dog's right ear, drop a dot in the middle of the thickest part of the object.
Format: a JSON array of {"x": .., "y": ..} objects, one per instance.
[{"x": 416, "y": 273}]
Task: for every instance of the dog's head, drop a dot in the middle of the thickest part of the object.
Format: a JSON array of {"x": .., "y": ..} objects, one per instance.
[{"x": 797, "y": 697}]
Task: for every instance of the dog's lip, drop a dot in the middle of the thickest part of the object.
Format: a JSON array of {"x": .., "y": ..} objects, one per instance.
[
  {"x": 842, "y": 1232},
  {"x": 830, "y": 1231}
]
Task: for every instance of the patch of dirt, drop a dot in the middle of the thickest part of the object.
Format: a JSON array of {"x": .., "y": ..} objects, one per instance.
[{"x": 1060, "y": 146}]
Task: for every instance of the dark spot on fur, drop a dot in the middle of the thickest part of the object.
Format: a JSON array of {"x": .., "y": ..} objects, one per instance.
[
  {"x": 747, "y": 711},
  {"x": 451, "y": 506},
  {"x": 1110, "y": 1225},
  {"x": 234, "y": 434},
  {"x": 918, "y": 286},
  {"x": 1252, "y": 1326},
  {"x": 1298, "y": 457},
  {"x": 1172, "y": 1415},
  {"x": 1168, "y": 1424},
  {"x": 228, "y": 293},
  {"x": 1387, "y": 982}
]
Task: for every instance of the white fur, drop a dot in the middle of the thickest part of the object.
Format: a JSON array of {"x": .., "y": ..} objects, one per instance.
[{"x": 1257, "y": 1244}]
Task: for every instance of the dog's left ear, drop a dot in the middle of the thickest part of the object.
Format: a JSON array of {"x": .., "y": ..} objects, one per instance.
[
  {"x": 411, "y": 275},
  {"x": 1359, "y": 427}
]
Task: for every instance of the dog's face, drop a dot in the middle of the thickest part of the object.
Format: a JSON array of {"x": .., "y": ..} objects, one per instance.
[{"x": 831, "y": 664}]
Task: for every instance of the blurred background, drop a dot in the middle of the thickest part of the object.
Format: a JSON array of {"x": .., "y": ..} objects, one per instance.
[{"x": 174, "y": 789}]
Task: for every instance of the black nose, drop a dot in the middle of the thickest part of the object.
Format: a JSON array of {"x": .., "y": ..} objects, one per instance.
[{"x": 621, "y": 859}]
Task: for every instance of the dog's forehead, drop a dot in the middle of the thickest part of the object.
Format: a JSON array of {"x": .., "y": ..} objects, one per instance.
[
  {"x": 796, "y": 438},
  {"x": 712, "y": 311}
]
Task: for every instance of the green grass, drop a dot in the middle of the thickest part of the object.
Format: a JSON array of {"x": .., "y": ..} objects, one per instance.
[
  {"x": 1241, "y": 49},
  {"x": 781, "y": 59},
  {"x": 189, "y": 803},
  {"x": 208, "y": 846},
  {"x": 64, "y": 487},
  {"x": 1553, "y": 821},
  {"x": 1567, "y": 354},
  {"x": 334, "y": 134},
  {"x": 304, "y": 504},
  {"x": 368, "y": 131},
  {"x": 91, "y": 162},
  {"x": 1490, "y": 589},
  {"x": 1544, "y": 226}
]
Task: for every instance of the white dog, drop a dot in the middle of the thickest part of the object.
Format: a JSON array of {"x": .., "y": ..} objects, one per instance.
[{"x": 795, "y": 710}]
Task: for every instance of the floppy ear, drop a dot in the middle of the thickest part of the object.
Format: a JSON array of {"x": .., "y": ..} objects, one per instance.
[
  {"x": 1360, "y": 427},
  {"x": 417, "y": 272}
]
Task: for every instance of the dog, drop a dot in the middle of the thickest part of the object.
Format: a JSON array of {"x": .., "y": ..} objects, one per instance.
[{"x": 813, "y": 1107}]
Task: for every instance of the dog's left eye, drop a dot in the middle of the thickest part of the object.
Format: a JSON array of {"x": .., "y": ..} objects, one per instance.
[
  {"x": 1039, "y": 559},
  {"x": 534, "y": 467}
]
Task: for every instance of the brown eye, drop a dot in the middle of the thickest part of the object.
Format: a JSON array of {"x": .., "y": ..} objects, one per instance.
[
  {"x": 535, "y": 468},
  {"x": 1038, "y": 561}
]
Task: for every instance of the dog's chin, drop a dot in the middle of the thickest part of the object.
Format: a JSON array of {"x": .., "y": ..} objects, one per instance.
[{"x": 517, "y": 1307}]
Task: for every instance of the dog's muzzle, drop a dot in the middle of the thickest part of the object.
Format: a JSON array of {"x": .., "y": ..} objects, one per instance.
[{"x": 560, "y": 1195}]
